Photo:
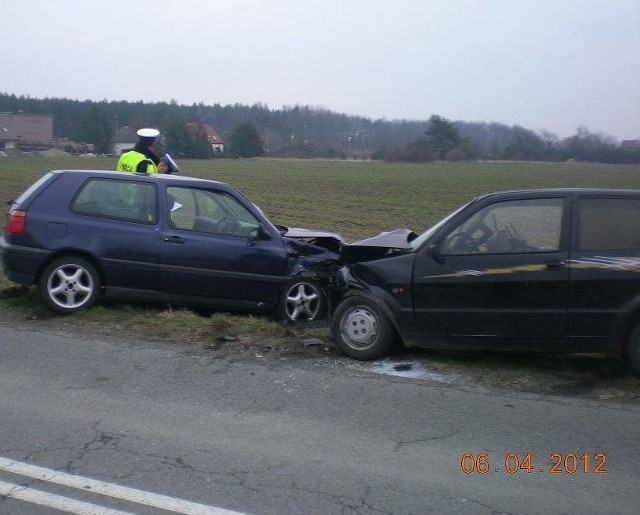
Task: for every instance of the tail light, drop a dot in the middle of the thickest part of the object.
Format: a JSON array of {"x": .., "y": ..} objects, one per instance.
[{"x": 17, "y": 221}]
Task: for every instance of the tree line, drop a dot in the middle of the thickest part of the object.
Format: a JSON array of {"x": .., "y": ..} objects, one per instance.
[
  {"x": 458, "y": 141},
  {"x": 304, "y": 131}
]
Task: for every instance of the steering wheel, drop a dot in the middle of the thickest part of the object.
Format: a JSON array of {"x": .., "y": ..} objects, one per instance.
[
  {"x": 233, "y": 227},
  {"x": 463, "y": 242},
  {"x": 484, "y": 229},
  {"x": 227, "y": 226},
  {"x": 222, "y": 224}
]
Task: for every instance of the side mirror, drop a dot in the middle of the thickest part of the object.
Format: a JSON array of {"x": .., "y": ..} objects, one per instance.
[{"x": 433, "y": 251}]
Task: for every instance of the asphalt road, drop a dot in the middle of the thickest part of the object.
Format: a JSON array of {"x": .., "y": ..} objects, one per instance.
[{"x": 118, "y": 426}]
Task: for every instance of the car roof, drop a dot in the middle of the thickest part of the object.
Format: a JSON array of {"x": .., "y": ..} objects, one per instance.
[
  {"x": 549, "y": 192},
  {"x": 155, "y": 177}
]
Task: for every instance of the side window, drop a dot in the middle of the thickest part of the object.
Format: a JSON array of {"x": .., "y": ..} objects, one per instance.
[
  {"x": 121, "y": 200},
  {"x": 182, "y": 208},
  {"x": 214, "y": 212},
  {"x": 532, "y": 225},
  {"x": 609, "y": 224}
]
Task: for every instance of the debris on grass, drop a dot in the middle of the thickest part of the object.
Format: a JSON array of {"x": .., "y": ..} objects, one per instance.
[
  {"x": 227, "y": 338},
  {"x": 13, "y": 292}
]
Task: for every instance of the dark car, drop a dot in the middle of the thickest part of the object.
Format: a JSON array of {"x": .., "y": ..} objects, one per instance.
[
  {"x": 162, "y": 238},
  {"x": 547, "y": 270}
]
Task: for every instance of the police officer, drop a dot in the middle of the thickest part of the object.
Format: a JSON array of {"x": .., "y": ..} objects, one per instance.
[{"x": 142, "y": 159}]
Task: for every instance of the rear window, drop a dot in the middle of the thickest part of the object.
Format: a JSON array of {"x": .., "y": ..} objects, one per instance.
[
  {"x": 609, "y": 224},
  {"x": 34, "y": 187},
  {"x": 116, "y": 199}
]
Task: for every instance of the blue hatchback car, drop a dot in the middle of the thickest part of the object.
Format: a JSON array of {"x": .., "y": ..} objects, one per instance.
[{"x": 76, "y": 234}]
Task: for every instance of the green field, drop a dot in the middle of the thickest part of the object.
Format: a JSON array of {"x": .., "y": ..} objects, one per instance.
[{"x": 354, "y": 198}]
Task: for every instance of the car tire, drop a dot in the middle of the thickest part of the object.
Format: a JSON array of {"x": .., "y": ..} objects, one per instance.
[
  {"x": 69, "y": 284},
  {"x": 361, "y": 329},
  {"x": 302, "y": 300},
  {"x": 633, "y": 351}
]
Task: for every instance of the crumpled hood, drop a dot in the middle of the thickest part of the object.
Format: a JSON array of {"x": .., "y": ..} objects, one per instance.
[
  {"x": 388, "y": 243},
  {"x": 328, "y": 240},
  {"x": 297, "y": 232}
]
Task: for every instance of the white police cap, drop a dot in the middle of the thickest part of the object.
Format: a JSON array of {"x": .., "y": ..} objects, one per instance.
[{"x": 148, "y": 133}]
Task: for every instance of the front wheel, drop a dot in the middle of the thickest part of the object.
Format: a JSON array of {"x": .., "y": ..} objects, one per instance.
[
  {"x": 69, "y": 284},
  {"x": 302, "y": 300},
  {"x": 361, "y": 329}
]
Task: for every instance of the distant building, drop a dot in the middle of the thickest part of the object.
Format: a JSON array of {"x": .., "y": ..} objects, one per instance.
[
  {"x": 214, "y": 139},
  {"x": 26, "y": 131},
  {"x": 631, "y": 144},
  {"x": 124, "y": 139}
]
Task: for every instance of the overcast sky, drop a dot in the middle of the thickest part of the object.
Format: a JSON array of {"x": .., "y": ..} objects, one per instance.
[{"x": 541, "y": 64}]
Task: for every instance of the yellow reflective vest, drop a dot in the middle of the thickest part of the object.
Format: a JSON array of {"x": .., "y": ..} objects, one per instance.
[{"x": 130, "y": 160}]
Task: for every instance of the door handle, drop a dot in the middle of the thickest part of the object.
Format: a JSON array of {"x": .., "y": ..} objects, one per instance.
[
  {"x": 556, "y": 265},
  {"x": 173, "y": 239}
]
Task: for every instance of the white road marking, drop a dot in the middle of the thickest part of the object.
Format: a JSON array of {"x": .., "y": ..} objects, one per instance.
[
  {"x": 58, "y": 502},
  {"x": 162, "y": 502}
]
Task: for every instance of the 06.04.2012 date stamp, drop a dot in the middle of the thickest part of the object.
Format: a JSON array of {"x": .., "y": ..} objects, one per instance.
[{"x": 568, "y": 463}]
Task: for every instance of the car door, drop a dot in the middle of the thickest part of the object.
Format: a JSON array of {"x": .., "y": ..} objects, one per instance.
[
  {"x": 117, "y": 223},
  {"x": 605, "y": 262},
  {"x": 501, "y": 271},
  {"x": 215, "y": 251}
]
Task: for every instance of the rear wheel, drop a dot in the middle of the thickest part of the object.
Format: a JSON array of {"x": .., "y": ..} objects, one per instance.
[
  {"x": 633, "y": 351},
  {"x": 69, "y": 284},
  {"x": 361, "y": 329}
]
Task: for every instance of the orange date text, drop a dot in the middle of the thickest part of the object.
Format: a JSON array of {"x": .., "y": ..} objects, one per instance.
[{"x": 568, "y": 463}]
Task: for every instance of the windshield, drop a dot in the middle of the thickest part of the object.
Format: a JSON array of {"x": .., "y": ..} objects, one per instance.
[{"x": 420, "y": 240}]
